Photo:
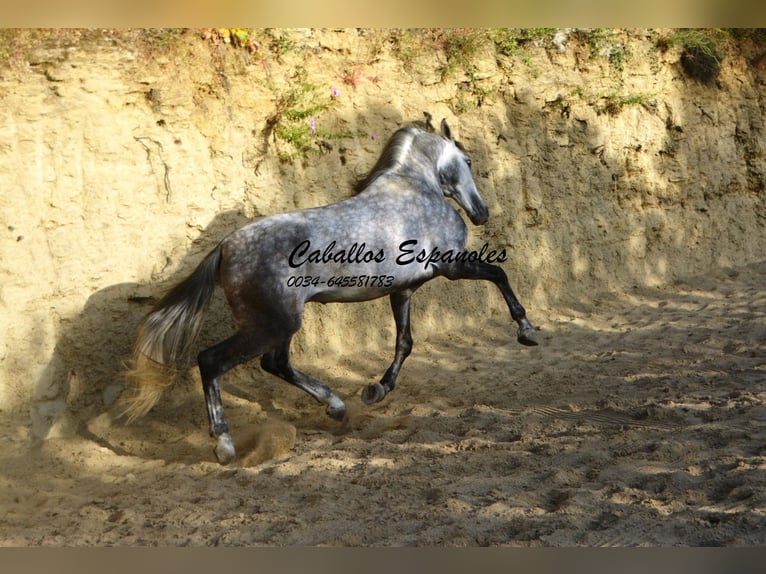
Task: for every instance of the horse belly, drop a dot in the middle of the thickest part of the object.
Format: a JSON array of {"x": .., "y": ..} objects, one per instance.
[
  {"x": 364, "y": 285},
  {"x": 348, "y": 295}
]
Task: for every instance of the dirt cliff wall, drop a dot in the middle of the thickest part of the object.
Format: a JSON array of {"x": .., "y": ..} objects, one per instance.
[{"x": 122, "y": 161}]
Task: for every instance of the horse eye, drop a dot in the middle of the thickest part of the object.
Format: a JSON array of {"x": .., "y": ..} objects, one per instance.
[{"x": 468, "y": 161}]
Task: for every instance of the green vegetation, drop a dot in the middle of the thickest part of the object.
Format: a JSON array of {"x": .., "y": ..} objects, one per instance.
[
  {"x": 457, "y": 47},
  {"x": 460, "y": 48},
  {"x": 707, "y": 40},
  {"x": 406, "y": 45},
  {"x": 297, "y": 121},
  {"x": 281, "y": 43},
  {"x": 701, "y": 56},
  {"x": 613, "y": 104},
  {"x": 518, "y": 44},
  {"x": 609, "y": 44},
  {"x": 470, "y": 93},
  {"x": 455, "y": 57},
  {"x": 515, "y": 42}
]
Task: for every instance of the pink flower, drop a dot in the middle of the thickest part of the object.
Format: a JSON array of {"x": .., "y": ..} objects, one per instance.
[
  {"x": 312, "y": 125},
  {"x": 373, "y": 137},
  {"x": 334, "y": 93}
]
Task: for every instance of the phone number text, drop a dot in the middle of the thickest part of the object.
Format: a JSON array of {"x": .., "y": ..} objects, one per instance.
[{"x": 341, "y": 281}]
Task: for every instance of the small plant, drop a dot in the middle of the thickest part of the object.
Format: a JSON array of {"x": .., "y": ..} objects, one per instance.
[
  {"x": 355, "y": 73},
  {"x": 513, "y": 42},
  {"x": 518, "y": 44},
  {"x": 615, "y": 103},
  {"x": 281, "y": 44},
  {"x": 460, "y": 48},
  {"x": 611, "y": 104},
  {"x": 406, "y": 46},
  {"x": 578, "y": 92},
  {"x": 700, "y": 58},
  {"x": 470, "y": 93},
  {"x": 605, "y": 43},
  {"x": 296, "y": 118}
]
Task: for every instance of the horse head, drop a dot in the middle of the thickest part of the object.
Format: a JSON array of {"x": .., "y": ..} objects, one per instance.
[{"x": 454, "y": 171}]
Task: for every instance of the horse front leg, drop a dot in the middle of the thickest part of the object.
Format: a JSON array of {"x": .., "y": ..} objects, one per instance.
[
  {"x": 481, "y": 270},
  {"x": 400, "y": 305}
]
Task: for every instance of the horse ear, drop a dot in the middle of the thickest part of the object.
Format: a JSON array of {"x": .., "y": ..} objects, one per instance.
[
  {"x": 445, "y": 129},
  {"x": 429, "y": 125}
]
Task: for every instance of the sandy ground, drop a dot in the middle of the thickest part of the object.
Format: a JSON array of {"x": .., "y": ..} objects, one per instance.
[{"x": 639, "y": 420}]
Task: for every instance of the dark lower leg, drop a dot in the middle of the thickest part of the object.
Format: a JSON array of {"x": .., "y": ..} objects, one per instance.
[
  {"x": 488, "y": 272},
  {"x": 526, "y": 332},
  {"x": 400, "y": 305},
  {"x": 277, "y": 362},
  {"x": 213, "y": 363}
]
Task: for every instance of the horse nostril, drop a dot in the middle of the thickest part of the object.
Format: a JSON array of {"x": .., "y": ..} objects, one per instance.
[
  {"x": 480, "y": 217},
  {"x": 482, "y": 214}
]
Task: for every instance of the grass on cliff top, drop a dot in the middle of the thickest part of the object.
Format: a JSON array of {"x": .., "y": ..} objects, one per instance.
[{"x": 459, "y": 47}]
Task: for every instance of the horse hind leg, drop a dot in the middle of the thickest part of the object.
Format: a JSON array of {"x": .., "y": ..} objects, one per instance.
[
  {"x": 213, "y": 363},
  {"x": 277, "y": 362}
]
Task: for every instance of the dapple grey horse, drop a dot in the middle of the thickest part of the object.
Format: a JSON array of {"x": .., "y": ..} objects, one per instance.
[{"x": 396, "y": 233}]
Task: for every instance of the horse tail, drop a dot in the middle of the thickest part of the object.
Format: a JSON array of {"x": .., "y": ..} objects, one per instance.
[{"x": 166, "y": 335}]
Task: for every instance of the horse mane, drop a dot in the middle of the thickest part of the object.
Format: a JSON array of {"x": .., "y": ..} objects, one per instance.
[
  {"x": 392, "y": 155},
  {"x": 396, "y": 150}
]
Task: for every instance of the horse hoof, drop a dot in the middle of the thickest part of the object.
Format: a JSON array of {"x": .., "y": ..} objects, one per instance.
[
  {"x": 337, "y": 412},
  {"x": 527, "y": 337},
  {"x": 224, "y": 450},
  {"x": 373, "y": 393}
]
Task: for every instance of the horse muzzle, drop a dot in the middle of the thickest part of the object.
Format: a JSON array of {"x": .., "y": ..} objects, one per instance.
[{"x": 480, "y": 215}]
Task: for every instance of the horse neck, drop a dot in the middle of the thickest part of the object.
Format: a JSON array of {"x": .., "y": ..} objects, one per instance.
[
  {"x": 413, "y": 158},
  {"x": 421, "y": 162}
]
